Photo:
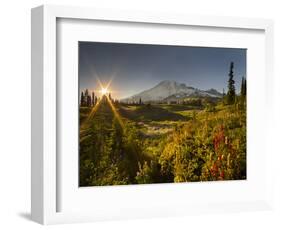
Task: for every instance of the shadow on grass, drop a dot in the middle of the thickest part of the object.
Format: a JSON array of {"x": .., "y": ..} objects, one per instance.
[
  {"x": 150, "y": 113},
  {"x": 178, "y": 108}
]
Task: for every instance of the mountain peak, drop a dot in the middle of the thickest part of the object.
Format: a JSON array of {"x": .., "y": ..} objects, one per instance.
[
  {"x": 170, "y": 83},
  {"x": 167, "y": 88},
  {"x": 167, "y": 82}
]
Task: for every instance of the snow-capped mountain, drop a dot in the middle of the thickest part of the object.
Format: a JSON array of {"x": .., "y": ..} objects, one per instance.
[{"x": 172, "y": 89}]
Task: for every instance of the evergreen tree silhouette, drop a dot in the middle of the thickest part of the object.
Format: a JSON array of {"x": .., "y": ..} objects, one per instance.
[
  {"x": 82, "y": 99},
  {"x": 231, "y": 86},
  {"x": 243, "y": 87},
  {"x": 89, "y": 101},
  {"x": 93, "y": 99}
]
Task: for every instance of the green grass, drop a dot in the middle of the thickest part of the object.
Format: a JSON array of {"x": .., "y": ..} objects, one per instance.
[
  {"x": 144, "y": 113},
  {"x": 180, "y": 108},
  {"x": 162, "y": 143}
]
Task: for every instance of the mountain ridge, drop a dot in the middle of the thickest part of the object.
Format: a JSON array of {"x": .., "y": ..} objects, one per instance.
[{"x": 171, "y": 90}]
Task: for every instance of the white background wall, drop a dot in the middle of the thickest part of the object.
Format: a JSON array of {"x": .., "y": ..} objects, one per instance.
[{"x": 15, "y": 113}]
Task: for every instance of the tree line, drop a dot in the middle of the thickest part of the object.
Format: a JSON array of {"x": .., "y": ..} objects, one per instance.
[{"x": 88, "y": 99}]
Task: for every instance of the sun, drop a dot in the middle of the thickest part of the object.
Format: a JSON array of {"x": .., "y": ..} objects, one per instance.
[{"x": 104, "y": 91}]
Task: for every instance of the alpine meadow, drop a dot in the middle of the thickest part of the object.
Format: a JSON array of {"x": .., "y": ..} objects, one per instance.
[{"x": 161, "y": 114}]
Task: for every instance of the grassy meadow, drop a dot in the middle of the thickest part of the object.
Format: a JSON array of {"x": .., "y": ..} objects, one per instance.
[{"x": 162, "y": 143}]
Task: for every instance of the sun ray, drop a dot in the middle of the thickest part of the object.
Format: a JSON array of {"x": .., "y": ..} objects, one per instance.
[
  {"x": 121, "y": 123},
  {"x": 99, "y": 82},
  {"x": 115, "y": 112},
  {"x": 109, "y": 82},
  {"x": 91, "y": 114},
  {"x": 104, "y": 91}
]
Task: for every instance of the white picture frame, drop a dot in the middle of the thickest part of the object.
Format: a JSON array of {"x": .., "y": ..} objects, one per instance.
[{"x": 45, "y": 178}]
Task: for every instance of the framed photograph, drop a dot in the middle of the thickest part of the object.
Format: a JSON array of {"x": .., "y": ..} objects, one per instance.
[{"x": 140, "y": 114}]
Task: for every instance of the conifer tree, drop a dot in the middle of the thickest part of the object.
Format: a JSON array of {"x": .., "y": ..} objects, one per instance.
[
  {"x": 86, "y": 94},
  {"x": 89, "y": 101},
  {"x": 82, "y": 99},
  {"x": 243, "y": 87},
  {"x": 231, "y": 86},
  {"x": 93, "y": 99}
]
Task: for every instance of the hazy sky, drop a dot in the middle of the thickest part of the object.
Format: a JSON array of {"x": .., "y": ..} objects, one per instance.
[{"x": 133, "y": 68}]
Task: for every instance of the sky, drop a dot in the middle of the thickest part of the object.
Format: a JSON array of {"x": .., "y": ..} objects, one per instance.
[{"x": 132, "y": 68}]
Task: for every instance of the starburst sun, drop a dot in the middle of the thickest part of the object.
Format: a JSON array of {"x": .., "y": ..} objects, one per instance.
[{"x": 104, "y": 91}]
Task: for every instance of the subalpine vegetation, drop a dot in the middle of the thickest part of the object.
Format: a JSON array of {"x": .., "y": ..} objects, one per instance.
[{"x": 204, "y": 140}]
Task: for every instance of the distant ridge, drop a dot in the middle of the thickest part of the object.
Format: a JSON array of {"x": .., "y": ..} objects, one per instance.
[{"x": 171, "y": 90}]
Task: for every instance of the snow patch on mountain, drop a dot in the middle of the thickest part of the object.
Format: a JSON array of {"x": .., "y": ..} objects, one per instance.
[{"x": 166, "y": 89}]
